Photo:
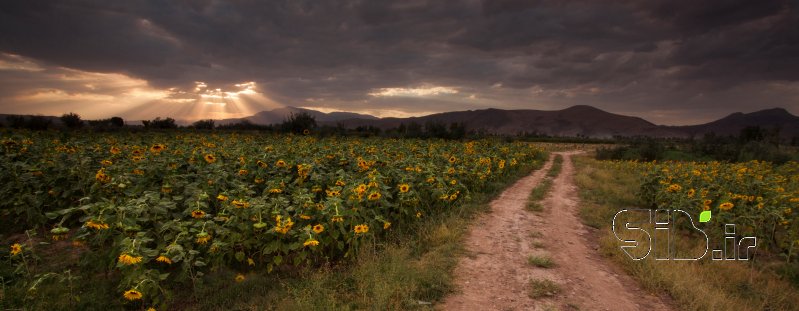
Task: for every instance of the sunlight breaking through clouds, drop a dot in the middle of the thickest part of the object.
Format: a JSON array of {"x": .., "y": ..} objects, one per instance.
[
  {"x": 50, "y": 90},
  {"x": 413, "y": 92}
]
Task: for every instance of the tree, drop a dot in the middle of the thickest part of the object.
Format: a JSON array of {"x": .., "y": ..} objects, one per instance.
[
  {"x": 117, "y": 121},
  {"x": 38, "y": 123},
  {"x": 159, "y": 123},
  {"x": 297, "y": 123},
  {"x": 72, "y": 120},
  {"x": 15, "y": 121},
  {"x": 203, "y": 124}
]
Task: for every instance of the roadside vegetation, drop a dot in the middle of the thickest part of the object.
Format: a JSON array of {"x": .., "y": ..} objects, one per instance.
[{"x": 766, "y": 283}]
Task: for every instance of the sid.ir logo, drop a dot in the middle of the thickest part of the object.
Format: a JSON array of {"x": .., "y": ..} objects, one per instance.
[{"x": 647, "y": 231}]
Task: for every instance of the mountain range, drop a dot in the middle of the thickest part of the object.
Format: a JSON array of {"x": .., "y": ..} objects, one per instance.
[{"x": 581, "y": 120}]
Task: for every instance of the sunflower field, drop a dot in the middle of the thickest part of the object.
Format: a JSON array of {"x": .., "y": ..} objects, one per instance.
[
  {"x": 760, "y": 198},
  {"x": 158, "y": 209}
]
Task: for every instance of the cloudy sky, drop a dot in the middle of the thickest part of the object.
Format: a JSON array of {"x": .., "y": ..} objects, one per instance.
[{"x": 668, "y": 61}]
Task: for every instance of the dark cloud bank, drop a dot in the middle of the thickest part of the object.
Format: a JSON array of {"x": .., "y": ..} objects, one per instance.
[{"x": 668, "y": 61}]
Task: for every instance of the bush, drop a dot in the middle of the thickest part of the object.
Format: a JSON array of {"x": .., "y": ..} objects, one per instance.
[{"x": 72, "y": 120}]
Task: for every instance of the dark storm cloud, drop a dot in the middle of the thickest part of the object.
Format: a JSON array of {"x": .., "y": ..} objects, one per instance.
[{"x": 627, "y": 56}]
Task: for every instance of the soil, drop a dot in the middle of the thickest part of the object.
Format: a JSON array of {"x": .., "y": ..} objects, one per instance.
[{"x": 495, "y": 273}]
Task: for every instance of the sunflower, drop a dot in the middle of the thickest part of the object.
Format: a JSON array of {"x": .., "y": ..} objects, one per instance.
[
  {"x": 310, "y": 243},
  {"x": 726, "y": 206},
  {"x": 386, "y": 225},
  {"x": 106, "y": 162},
  {"x": 674, "y": 188},
  {"x": 126, "y": 259},
  {"x": 157, "y": 148},
  {"x": 240, "y": 204},
  {"x": 16, "y": 248},
  {"x": 132, "y": 295},
  {"x": 239, "y": 278},
  {"x": 306, "y": 132},
  {"x": 210, "y": 158},
  {"x": 203, "y": 238},
  {"x": 280, "y": 163},
  {"x": 361, "y": 229},
  {"x": 360, "y": 189},
  {"x": 404, "y": 188},
  {"x": 102, "y": 177},
  {"x": 333, "y": 193},
  {"x": 197, "y": 214},
  {"x": 164, "y": 259},
  {"x": 222, "y": 198},
  {"x": 261, "y": 164},
  {"x": 318, "y": 228},
  {"x": 115, "y": 150},
  {"x": 138, "y": 172},
  {"x": 453, "y": 159},
  {"x": 340, "y": 183},
  {"x": 374, "y": 196},
  {"x": 337, "y": 219},
  {"x": 242, "y": 172},
  {"x": 99, "y": 225}
]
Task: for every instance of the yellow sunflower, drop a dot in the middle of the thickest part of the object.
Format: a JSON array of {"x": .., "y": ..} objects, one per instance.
[
  {"x": 374, "y": 196},
  {"x": 726, "y": 206},
  {"x": 361, "y": 229},
  {"x": 126, "y": 259},
  {"x": 132, "y": 295},
  {"x": 16, "y": 248},
  {"x": 197, "y": 214}
]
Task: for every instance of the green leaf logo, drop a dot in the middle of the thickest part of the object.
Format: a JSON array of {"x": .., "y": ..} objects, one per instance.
[{"x": 704, "y": 216}]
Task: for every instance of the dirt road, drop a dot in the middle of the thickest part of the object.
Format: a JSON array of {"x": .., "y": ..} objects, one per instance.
[{"x": 495, "y": 274}]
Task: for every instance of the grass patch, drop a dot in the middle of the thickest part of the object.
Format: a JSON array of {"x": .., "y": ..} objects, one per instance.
[
  {"x": 557, "y": 164},
  {"x": 693, "y": 285},
  {"x": 541, "y": 190},
  {"x": 541, "y": 261},
  {"x": 534, "y": 206},
  {"x": 543, "y": 288}
]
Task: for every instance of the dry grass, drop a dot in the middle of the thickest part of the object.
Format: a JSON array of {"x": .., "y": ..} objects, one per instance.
[
  {"x": 543, "y": 288},
  {"x": 541, "y": 261}
]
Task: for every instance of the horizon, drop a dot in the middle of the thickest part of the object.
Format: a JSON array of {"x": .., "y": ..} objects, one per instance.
[
  {"x": 663, "y": 62},
  {"x": 328, "y": 111}
]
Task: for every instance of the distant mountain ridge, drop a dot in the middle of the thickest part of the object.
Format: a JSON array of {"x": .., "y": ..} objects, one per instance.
[
  {"x": 587, "y": 121},
  {"x": 277, "y": 115},
  {"x": 579, "y": 120}
]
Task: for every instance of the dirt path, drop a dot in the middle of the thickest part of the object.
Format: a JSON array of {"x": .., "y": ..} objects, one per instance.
[{"x": 496, "y": 275}]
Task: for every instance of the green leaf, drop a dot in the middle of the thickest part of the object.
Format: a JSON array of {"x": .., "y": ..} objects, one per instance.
[
  {"x": 704, "y": 216},
  {"x": 277, "y": 259},
  {"x": 240, "y": 256}
]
